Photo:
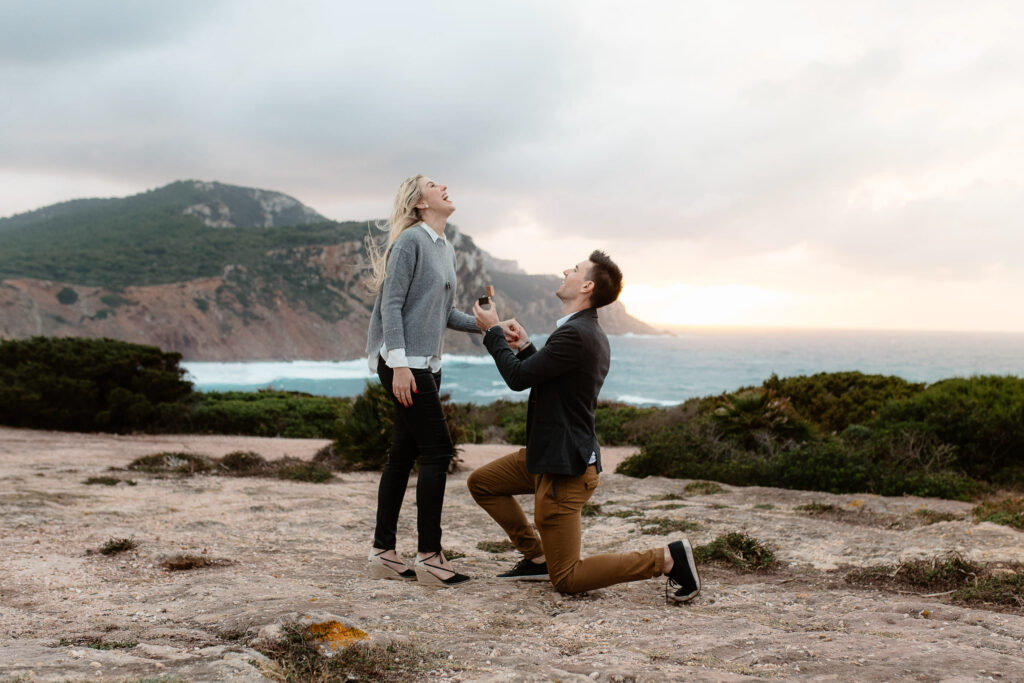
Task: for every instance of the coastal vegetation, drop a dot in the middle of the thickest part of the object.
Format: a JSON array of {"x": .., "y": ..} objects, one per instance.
[
  {"x": 956, "y": 438},
  {"x": 151, "y": 239},
  {"x": 848, "y": 432}
]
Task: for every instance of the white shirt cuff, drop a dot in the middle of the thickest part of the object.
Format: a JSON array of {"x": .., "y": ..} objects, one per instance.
[{"x": 397, "y": 359}]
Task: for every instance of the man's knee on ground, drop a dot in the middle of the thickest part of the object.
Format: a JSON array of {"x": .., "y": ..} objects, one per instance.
[
  {"x": 475, "y": 484},
  {"x": 565, "y": 582},
  {"x": 565, "y": 585}
]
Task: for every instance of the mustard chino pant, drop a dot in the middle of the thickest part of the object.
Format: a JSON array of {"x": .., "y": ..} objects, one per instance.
[{"x": 558, "y": 500}]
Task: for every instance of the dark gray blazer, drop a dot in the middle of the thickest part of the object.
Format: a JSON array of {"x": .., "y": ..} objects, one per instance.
[{"x": 564, "y": 379}]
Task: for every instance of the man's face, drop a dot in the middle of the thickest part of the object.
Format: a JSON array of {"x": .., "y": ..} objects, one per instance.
[{"x": 574, "y": 280}]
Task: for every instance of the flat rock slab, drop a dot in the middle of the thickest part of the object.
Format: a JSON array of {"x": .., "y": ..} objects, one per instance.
[{"x": 298, "y": 550}]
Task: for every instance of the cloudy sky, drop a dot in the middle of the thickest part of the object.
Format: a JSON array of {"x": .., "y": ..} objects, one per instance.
[{"x": 789, "y": 163}]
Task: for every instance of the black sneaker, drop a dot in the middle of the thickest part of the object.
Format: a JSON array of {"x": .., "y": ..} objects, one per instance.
[
  {"x": 527, "y": 570},
  {"x": 683, "y": 577}
]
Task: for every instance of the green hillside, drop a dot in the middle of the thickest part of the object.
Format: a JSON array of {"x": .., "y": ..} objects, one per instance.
[{"x": 149, "y": 239}]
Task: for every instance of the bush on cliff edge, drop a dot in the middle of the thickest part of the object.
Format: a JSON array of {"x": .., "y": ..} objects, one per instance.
[{"x": 89, "y": 385}]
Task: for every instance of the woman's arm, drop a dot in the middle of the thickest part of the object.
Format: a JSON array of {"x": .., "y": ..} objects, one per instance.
[{"x": 457, "y": 320}]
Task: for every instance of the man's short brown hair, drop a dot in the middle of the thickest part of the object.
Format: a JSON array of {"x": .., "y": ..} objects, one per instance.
[{"x": 607, "y": 279}]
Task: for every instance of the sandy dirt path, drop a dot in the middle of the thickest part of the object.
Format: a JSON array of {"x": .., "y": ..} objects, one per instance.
[{"x": 300, "y": 548}]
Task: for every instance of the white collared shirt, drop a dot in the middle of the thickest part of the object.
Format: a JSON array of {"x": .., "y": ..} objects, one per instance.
[{"x": 396, "y": 358}]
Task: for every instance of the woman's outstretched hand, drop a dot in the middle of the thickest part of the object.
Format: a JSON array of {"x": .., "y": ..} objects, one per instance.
[
  {"x": 515, "y": 334},
  {"x": 403, "y": 386},
  {"x": 485, "y": 319}
]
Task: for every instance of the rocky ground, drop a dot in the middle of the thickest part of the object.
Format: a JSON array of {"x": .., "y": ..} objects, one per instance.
[{"x": 298, "y": 549}]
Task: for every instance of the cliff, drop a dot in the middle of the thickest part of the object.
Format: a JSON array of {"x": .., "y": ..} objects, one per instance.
[{"x": 176, "y": 268}]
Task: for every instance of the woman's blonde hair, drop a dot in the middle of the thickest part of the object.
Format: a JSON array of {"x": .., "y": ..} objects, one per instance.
[{"x": 404, "y": 215}]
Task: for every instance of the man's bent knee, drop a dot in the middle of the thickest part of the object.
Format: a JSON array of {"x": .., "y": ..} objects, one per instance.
[{"x": 475, "y": 484}]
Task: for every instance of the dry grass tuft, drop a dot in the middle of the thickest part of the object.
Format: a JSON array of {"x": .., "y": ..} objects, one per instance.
[
  {"x": 1008, "y": 511},
  {"x": 926, "y": 516},
  {"x": 662, "y": 526},
  {"x": 502, "y": 546},
  {"x": 951, "y": 575},
  {"x": 737, "y": 550},
  {"x": 172, "y": 463},
  {"x": 118, "y": 545},
  {"x": 186, "y": 562},
  {"x": 817, "y": 508},
  {"x": 298, "y": 657},
  {"x": 703, "y": 488}
]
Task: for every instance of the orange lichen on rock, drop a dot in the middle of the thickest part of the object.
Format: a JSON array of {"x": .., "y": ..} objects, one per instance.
[{"x": 336, "y": 634}]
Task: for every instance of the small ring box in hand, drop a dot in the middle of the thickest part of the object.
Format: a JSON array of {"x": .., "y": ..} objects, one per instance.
[{"x": 485, "y": 300}]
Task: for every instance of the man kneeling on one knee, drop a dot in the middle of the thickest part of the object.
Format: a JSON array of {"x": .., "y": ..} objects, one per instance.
[{"x": 561, "y": 463}]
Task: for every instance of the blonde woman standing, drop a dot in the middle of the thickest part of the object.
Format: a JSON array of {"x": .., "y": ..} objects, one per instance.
[{"x": 415, "y": 279}]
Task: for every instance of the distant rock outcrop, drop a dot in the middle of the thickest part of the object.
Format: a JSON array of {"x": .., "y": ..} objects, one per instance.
[{"x": 300, "y": 293}]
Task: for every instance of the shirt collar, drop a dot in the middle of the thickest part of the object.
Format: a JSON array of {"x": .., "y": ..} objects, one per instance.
[
  {"x": 433, "y": 233},
  {"x": 564, "y": 319}
]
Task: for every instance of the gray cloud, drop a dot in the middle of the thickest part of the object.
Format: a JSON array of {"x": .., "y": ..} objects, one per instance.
[
  {"x": 883, "y": 139},
  {"x": 48, "y": 32}
]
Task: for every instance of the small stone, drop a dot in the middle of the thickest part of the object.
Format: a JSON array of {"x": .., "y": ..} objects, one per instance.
[{"x": 95, "y": 664}]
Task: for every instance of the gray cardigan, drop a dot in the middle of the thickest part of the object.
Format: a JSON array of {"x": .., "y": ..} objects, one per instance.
[{"x": 417, "y": 300}]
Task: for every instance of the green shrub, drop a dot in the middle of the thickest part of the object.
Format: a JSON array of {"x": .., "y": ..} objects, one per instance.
[
  {"x": 835, "y": 400},
  {"x": 758, "y": 418},
  {"x": 88, "y": 385},
  {"x": 266, "y": 413},
  {"x": 67, "y": 296},
  {"x": 465, "y": 420},
  {"x": 299, "y": 470},
  {"x": 697, "y": 450},
  {"x": 982, "y": 417},
  {"x": 365, "y": 429},
  {"x": 690, "y": 450},
  {"x": 366, "y": 426},
  {"x": 613, "y": 422},
  {"x": 513, "y": 420}
]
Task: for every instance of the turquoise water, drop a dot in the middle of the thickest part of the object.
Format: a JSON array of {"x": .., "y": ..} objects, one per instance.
[{"x": 666, "y": 370}]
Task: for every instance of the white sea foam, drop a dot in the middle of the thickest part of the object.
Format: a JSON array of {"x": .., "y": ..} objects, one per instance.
[
  {"x": 496, "y": 393},
  {"x": 467, "y": 360},
  {"x": 264, "y": 372},
  {"x": 642, "y": 400}
]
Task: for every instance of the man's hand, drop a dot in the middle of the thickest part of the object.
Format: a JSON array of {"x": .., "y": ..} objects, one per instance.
[
  {"x": 403, "y": 386},
  {"x": 485, "y": 320},
  {"x": 511, "y": 336}
]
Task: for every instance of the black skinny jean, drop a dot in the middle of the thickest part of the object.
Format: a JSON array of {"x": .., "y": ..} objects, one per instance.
[{"x": 420, "y": 432}]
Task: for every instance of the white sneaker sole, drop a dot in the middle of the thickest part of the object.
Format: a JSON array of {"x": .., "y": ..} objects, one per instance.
[{"x": 693, "y": 569}]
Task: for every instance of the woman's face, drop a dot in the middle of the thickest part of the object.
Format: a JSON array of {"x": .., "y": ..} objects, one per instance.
[{"x": 435, "y": 196}]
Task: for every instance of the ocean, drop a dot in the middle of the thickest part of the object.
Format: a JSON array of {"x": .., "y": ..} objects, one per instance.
[{"x": 665, "y": 370}]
